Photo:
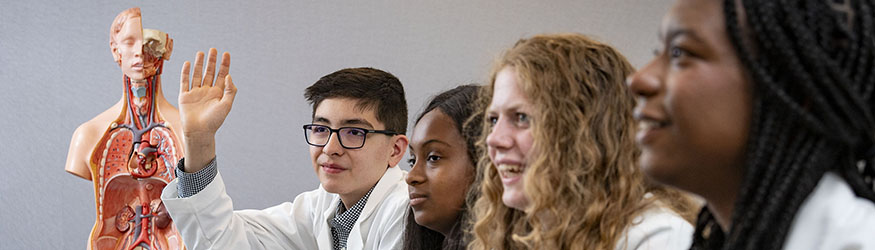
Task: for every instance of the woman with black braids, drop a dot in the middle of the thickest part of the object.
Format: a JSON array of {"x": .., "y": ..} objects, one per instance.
[{"x": 767, "y": 110}]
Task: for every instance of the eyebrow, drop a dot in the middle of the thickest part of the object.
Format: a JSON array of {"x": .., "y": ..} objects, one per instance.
[
  {"x": 513, "y": 108},
  {"x": 435, "y": 141},
  {"x": 426, "y": 143},
  {"x": 345, "y": 122},
  {"x": 676, "y": 32}
]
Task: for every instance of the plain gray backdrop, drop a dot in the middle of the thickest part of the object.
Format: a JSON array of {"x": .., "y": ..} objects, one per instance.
[{"x": 56, "y": 72}]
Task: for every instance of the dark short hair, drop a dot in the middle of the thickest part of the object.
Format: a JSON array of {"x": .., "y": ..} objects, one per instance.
[{"x": 375, "y": 89}]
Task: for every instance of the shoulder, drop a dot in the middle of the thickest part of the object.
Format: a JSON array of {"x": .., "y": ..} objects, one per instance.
[
  {"x": 833, "y": 217},
  {"x": 396, "y": 198},
  {"x": 391, "y": 201},
  {"x": 99, "y": 124},
  {"x": 657, "y": 228},
  {"x": 317, "y": 199},
  {"x": 90, "y": 131},
  {"x": 85, "y": 138}
]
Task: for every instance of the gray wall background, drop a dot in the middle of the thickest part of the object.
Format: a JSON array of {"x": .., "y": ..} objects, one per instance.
[{"x": 56, "y": 72}]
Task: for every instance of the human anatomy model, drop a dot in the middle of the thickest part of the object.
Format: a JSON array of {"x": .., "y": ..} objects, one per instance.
[{"x": 130, "y": 151}]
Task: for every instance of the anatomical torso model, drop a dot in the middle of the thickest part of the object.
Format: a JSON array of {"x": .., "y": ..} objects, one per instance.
[{"x": 130, "y": 151}]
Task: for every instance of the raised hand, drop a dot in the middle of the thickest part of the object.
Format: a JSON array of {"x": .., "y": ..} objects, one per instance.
[{"x": 203, "y": 106}]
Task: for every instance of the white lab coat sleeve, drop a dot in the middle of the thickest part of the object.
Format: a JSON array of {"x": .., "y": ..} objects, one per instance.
[{"x": 207, "y": 220}]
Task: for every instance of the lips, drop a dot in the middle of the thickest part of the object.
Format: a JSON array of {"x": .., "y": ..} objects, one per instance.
[
  {"x": 510, "y": 172},
  {"x": 417, "y": 199},
  {"x": 137, "y": 66},
  {"x": 649, "y": 126},
  {"x": 332, "y": 168}
]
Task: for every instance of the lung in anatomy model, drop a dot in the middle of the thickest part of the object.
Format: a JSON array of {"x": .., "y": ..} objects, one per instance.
[{"x": 129, "y": 151}]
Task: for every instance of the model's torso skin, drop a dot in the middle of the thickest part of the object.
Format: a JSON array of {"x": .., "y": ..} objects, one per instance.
[{"x": 129, "y": 173}]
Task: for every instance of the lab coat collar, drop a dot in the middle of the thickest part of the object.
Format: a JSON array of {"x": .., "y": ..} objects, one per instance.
[{"x": 384, "y": 185}]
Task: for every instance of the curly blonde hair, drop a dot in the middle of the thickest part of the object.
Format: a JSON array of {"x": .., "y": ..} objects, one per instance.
[{"x": 583, "y": 184}]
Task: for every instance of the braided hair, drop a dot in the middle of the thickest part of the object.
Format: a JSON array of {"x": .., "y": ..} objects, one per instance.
[{"x": 812, "y": 63}]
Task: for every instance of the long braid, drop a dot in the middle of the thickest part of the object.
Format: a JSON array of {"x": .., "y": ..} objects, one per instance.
[{"x": 813, "y": 68}]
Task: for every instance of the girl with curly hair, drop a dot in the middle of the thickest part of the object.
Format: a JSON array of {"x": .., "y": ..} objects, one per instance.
[{"x": 561, "y": 170}]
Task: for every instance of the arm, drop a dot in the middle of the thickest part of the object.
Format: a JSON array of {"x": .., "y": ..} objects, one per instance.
[
  {"x": 203, "y": 107},
  {"x": 207, "y": 220},
  {"x": 205, "y": 217},
  {"x": 77, "y": 156}
]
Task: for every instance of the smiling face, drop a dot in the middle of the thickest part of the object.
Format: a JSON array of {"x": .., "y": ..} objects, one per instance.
[
  {"x": 510, "y": 140},
  {"x": 694, "y": 102},
  {"x": 352, "y": 172},
  {"x": 441, "y": 172}
]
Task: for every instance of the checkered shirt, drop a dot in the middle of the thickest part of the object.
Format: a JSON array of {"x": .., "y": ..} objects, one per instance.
[
  {"x": 190, "y": 184},
  {"x": 343, "y": 221}
]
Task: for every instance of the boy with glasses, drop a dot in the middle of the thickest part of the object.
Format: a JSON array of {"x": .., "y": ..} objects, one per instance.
[{"x": 356, "y": 139}]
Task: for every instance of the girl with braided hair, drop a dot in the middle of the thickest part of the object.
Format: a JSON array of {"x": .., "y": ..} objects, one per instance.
[
  {"x": 766, "y": 109},
  {"x": 559, "y": 169}
]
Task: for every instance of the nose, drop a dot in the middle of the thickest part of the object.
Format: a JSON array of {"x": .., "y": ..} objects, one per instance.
[
  {"x": 501, "y": 135},
  {"x": 647, "y": 81},
  {"x": 416, "y": 175},
  {"x": 333, "y": 147},
  {"x": 138, "y": 48}
]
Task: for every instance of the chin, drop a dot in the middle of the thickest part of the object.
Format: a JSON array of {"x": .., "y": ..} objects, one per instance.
[
  {"x": 331, "y": 187},
  {"x": 661, "y": 173},
  {"x": 515, "y": 200},
  {"x": 136, "y": 76},
  {"x": 420, "y": 218}
]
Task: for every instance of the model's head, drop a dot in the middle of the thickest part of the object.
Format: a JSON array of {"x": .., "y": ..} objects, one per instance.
[
  {"x": 442, "y": 161},
  {"x": 560, "y": 170},
  {"x": 139, "y": 52},
  {"x": 759, "y": 99},
  {"x": 358, "y": 126}
]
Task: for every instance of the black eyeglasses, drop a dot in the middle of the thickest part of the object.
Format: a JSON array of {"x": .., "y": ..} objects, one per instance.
[{"x": 349, "y": 137}]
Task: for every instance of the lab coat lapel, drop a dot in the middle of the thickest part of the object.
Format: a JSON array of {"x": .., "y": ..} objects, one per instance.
[
  {"x": 324, "y": 240},
  {"x": 380, "y": 191}
]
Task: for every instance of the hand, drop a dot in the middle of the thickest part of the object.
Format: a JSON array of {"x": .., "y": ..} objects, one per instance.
[{"x": 203, "y": 107}]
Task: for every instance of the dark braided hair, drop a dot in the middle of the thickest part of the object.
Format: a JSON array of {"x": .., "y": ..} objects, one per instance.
[{"x": 812, "y": 63}]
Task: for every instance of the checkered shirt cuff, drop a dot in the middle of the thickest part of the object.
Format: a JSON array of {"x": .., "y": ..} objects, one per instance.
[{"x": 190, "y": 184}]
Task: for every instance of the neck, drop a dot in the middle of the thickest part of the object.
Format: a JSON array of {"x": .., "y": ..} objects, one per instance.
[
  {"x": 721, "y": 199},
  {"x": 447, "y": 230},
  {"x": 350, "y": 199},
  {"x": 722, "y": 211},
  {"x": 142, "y": 96}
]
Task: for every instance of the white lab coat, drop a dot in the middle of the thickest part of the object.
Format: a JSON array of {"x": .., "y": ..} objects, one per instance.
[
  {"x": 833, "y": 218},
  {"x": 207, "y": 220},
  {"x": 658, "y": 228}
]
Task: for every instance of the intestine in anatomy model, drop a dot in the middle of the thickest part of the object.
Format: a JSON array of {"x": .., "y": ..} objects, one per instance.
[{"x": 129, "y": 151}]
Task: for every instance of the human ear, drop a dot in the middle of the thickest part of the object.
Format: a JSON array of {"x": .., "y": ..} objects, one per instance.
[
  {"x": 399, "y": 147},
  {"x": 168, "y": 49},
  {"x": 113, "y": 47}
]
